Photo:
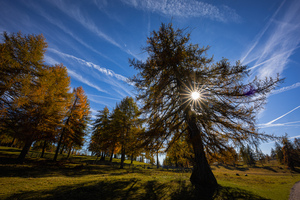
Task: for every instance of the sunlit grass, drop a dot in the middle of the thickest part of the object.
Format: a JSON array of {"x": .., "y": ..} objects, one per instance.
[{"x": 45, "y": 179}]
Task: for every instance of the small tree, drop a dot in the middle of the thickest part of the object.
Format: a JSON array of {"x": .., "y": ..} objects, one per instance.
[
  {"x": 75, "y": 122},
  {"x": 290, "y": 156},
  {"x": 279, "y": 153},
  {"x": 247, "y": 155},
  {"x": 128, "y": 115}
]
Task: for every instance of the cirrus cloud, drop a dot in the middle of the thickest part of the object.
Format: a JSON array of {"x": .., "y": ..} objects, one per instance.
[{"x": 182, "y": 8}]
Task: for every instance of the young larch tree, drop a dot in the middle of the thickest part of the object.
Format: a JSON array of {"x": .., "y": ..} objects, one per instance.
[{"x": 75, "y": 122}]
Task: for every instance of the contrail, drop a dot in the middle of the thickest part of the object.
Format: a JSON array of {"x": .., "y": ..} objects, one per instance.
[{"x": 282, "y": 116}]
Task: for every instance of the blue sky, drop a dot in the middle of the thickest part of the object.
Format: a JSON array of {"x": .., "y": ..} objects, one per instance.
[{"x": 95, "y": 38}]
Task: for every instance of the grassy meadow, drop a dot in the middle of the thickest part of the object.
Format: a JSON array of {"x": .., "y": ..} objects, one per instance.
[{"x": 81, "y": 178}]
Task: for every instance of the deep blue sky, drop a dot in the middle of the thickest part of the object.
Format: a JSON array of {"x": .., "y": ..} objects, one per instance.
[{"x": 95, "y": 38}]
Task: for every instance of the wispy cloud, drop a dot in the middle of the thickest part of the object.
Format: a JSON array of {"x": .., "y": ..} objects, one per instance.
[
  {"x": 83, "y": 80},
  {"x": 66, "y": 30},
  {"x": 74, "y": 12},
  {"x": 271, "y": 123},
  {"x": 99, "y": 101},
  {"x": 103, "y": 70},
  {"x": 103, "y": 97},
  {"x": 284, "y": 89},
  {"x": 183, "y": 8},
  {"x": 276, "y": 42}
]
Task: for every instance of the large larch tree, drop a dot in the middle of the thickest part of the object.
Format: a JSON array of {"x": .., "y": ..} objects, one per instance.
[{"x": 222, "y": 111}]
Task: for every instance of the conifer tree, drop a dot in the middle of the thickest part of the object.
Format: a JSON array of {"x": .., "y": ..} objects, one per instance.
[
  {"x": 221, "y": 114},
  {"x": 75, "y": 122},
  {"x": 127, "y": 115},
  {"x": 102, "y": 139},
  {"x": 278, "y": 153}
]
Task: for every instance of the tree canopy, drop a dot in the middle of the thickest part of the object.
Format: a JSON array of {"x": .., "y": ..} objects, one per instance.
[
  {"x": 222, "y": 116},
  {"x": 35, "y": 97}
]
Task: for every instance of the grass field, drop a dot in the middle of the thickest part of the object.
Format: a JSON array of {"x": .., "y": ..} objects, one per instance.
[{"x": 81, "y": 179}]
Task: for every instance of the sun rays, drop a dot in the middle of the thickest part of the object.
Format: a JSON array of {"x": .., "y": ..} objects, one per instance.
[{"x": 194, "y": 96}]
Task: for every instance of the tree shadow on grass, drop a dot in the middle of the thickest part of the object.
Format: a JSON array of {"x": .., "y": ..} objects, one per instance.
[
  {"x": 127, "y": 189},
  {"x": 46, "y": 168},
  {"x": 221, "y": 193},
  {"x": 231, "y": 167}
]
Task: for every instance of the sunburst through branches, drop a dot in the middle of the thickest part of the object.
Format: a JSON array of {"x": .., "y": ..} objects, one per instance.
[{"x": 194, "y": 96}]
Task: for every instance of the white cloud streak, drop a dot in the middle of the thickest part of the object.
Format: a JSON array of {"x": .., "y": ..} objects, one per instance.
[
  {"x": 75, "y": 13},
  {"x": 83, "y": 80},
  {"x": 284, "y": 89},
  {"x": 281, "y": 40},
  {"x": 105, "y": 71},
  {"x": 98, "y": 96},
  {"x": 295, "y": 124},
  {"x": 184, "y": 9},
  {"x": 271, "y": 123}
]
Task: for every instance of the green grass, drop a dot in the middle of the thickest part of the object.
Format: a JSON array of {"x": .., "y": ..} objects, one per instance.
[{"x": 81, "y": 179}]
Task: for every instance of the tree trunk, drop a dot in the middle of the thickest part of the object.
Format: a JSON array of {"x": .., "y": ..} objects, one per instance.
[
  {"x": 202, "y": 175},
  {"x": 69, "y": 153},
  {"x": 131, "y": 158},
  {"x": 12, "y": 142},
  {"x": 62, "y": 149},
  {"x": 24, "y": 151},
  {"x": 58, "y": 145},
  {"x": 157, "y": 161},
  {"x": 102, "y": 156},
  {"x": 44, "y": 147},
  {"x": 122, "y": 157},
  {"x": 111, "y": 155}
]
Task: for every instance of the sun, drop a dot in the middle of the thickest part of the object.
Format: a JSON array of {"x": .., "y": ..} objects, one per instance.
[{"x": 195, "y": 95}]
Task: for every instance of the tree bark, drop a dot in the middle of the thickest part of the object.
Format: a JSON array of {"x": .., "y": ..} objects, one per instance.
[
  {"x": 12, "y": 142},
  {"x": 131, "y": 158},
  {"x": 69, "y": 153},
  {"x": 102, "y": 156},
  {"x": 157, "y": 161},
  {"x": 202, "y": 175},
  {"x": 112, "y": 154},
  {"x": 62, "y": 149},
  {"x": 24, "y": 151},
  {"x": 44, "y": 147},
  {"x": 122, "y": 157},
  {"x": 58, "y": 146}
]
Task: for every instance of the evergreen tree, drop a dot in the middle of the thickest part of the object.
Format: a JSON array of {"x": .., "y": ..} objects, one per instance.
[
  {"x": 279, "y": 153},
  {"x": 273, "y": 154},
  {"x": 224, "y": 115},
  {"x": 290, "y": 155},
  {"x": 103, "y": 139},
  {"x": 247, "y": 155},
  {"x": 128, "y": 117},
  {"x": 75, "y": 122}
]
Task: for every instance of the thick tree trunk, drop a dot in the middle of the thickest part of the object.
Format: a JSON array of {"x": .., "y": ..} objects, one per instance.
[
  {"x": 202, "y": 175},
  {"x": 24, "y": 151},
  {"x": 44, "y": 147}
]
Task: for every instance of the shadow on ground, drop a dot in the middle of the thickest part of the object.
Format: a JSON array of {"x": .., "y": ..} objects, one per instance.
[{"x": 133, "y": 189}]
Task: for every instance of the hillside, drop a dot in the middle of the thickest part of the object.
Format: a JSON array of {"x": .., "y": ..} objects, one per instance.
[{"x": 81, "y": 179}]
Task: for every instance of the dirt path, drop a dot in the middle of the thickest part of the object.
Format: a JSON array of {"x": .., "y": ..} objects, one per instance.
[{"x": 295, "y": 192}]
